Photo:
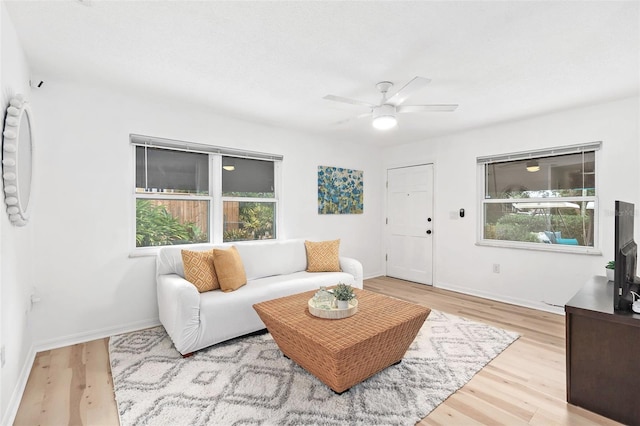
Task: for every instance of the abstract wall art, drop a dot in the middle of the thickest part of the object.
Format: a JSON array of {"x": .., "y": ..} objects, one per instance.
[{"x": 340, "y": 191}]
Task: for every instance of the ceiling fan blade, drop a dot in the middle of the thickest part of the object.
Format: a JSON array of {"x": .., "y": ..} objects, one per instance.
[
  {"x": 401, "y": 95},
  {"x": 348, "y": 101},
  {"x": 357, "y": 117},
  {"x": 427, "y": 108}
]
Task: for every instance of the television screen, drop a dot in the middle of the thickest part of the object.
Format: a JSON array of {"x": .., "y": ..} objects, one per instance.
[{"x": 625, "y": 257}]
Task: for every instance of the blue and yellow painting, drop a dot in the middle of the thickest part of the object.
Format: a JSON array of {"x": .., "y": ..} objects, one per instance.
[{"x": 340, "y": 191}]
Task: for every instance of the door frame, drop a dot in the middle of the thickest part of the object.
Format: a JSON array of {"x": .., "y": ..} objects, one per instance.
[{"x": 385, "y": 242}]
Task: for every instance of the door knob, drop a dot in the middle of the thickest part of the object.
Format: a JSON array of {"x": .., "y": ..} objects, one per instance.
[{"x": 429, "y": 231}]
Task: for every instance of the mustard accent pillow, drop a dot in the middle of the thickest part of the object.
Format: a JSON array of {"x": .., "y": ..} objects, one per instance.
[
  {"x": 323, "y": 256},
  {"x": 199, "y": 269},
  {"x": 229, "y": 269}
]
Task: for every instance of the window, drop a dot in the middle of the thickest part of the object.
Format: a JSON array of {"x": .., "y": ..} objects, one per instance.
[
  {"x": 248, "y": 198},
  {"x": 172, "y": 197},
  {"x": 544, "y": 199},
  {"x": 191, "y": 193}
]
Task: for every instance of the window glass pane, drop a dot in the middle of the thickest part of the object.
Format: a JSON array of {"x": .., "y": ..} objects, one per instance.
[
  {"x": 571, "y": 175},
  {"x": 249, "y": 221},
  {"x": 161, "y": 170},
  {"x": 242, "y": 177},
  {"x": 166, "y": 222},
  {"x": 553, "y": 222}
]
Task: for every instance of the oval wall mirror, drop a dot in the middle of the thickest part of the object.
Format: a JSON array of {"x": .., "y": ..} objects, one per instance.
[{"x": 17, "y": 159}]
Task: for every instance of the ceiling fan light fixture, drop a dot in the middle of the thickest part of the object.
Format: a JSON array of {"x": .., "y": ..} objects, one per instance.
[
  {"x": 384, "y": 117},
  {"x": 533, "y": 166},
  {"x": 385, "y": 122}
]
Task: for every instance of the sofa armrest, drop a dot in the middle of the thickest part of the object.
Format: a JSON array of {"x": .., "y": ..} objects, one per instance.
[
  {"x": 179, "y": 310},
  {"x": 353, "y": 267}
]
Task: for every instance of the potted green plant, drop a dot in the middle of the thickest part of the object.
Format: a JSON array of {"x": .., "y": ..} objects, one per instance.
[
  {"x": 610, "y": 269},
  {"x": 343, "y": 294}
]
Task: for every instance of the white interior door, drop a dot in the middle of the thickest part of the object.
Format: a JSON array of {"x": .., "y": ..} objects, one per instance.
[{"x": 409, "y": 228}]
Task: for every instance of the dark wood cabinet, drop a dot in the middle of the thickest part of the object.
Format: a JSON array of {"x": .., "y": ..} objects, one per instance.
[{"x": 603, "y": 354}]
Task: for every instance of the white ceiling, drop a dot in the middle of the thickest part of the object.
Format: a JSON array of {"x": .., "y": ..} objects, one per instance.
[{"x": 272, "y": 62}]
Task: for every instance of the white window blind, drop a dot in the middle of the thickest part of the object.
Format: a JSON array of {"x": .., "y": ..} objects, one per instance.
[
  {"x": 155, "y": 142},
  {"x": 569, "y": 149}
]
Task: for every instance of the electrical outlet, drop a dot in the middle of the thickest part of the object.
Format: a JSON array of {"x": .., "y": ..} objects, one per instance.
[
  {"x": 33, "y": 299},
  {"x": 2, "y": 356},
  {"x": 496, "y": 268}
]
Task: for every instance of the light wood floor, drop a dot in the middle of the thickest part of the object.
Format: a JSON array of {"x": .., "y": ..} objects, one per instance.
[{"x": 523, "y": 385}]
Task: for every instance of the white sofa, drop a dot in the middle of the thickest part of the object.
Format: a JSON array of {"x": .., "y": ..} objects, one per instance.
[{"x": 274, "y": 269}]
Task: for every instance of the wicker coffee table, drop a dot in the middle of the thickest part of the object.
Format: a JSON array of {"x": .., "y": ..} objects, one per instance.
[{"x": 343, "y": 352}]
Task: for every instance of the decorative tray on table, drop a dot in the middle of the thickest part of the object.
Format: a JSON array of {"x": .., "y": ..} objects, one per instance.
[{"x": 330, "y": 312}]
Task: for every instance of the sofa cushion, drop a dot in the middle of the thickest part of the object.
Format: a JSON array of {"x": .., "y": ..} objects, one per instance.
[
  {"x": 199, "y": 269},
  {"x": 229, "y": 269},
  {"x": 269, "y": 258},
  {"x": 323, "y": 256},
  {"x": 260, "y": 258},
  {"x": 169, "y": 259}
]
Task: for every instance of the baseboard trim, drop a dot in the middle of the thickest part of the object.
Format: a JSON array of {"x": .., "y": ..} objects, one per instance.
[
  {"x": 16, "y": 396},
  {"x": 72, "y": 339},
  {"x": 374, "y": 275},
  {"x": 540, "y": 306}
]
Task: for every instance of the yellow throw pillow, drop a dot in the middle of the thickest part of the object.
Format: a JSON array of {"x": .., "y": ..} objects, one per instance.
[
  {"x": 229, "y": 269},
  {"x": 323, "y": 256},
  {"x": 199, "y": 269}
]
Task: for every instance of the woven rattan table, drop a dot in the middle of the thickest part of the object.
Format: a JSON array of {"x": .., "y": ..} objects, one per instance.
[{"x": 343, "y": 352}]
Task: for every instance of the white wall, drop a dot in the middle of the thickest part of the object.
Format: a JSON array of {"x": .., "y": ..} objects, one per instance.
[
  {"x": 16, "y": 265},
  {"x": 88, "y": 284},
  {"x": 527, "y": 277}
]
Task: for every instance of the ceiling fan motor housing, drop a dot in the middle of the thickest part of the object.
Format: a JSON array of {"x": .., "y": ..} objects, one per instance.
[
  {"x": 384, "y": 117},
  {"x": 384, "y": 110}
]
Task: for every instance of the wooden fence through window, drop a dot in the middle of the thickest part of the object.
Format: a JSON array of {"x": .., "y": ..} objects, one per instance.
[{"x": 197, "y": 212}]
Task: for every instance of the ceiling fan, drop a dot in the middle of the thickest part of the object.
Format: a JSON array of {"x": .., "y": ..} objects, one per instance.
[{"x": 384, "y": 114}]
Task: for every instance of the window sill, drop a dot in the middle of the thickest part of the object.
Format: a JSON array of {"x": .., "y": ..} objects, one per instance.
[
  {"x": 153, "y": 251},
  {"x": 144, "y": 252},
  {"x": 556, "y": 248}
]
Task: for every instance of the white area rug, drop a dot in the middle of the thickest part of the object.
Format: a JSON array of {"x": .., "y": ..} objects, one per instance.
[{"x": 247, "y": 381}]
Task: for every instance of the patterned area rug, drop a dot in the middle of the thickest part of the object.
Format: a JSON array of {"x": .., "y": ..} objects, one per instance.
[{"x": 247, "y": 381}]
